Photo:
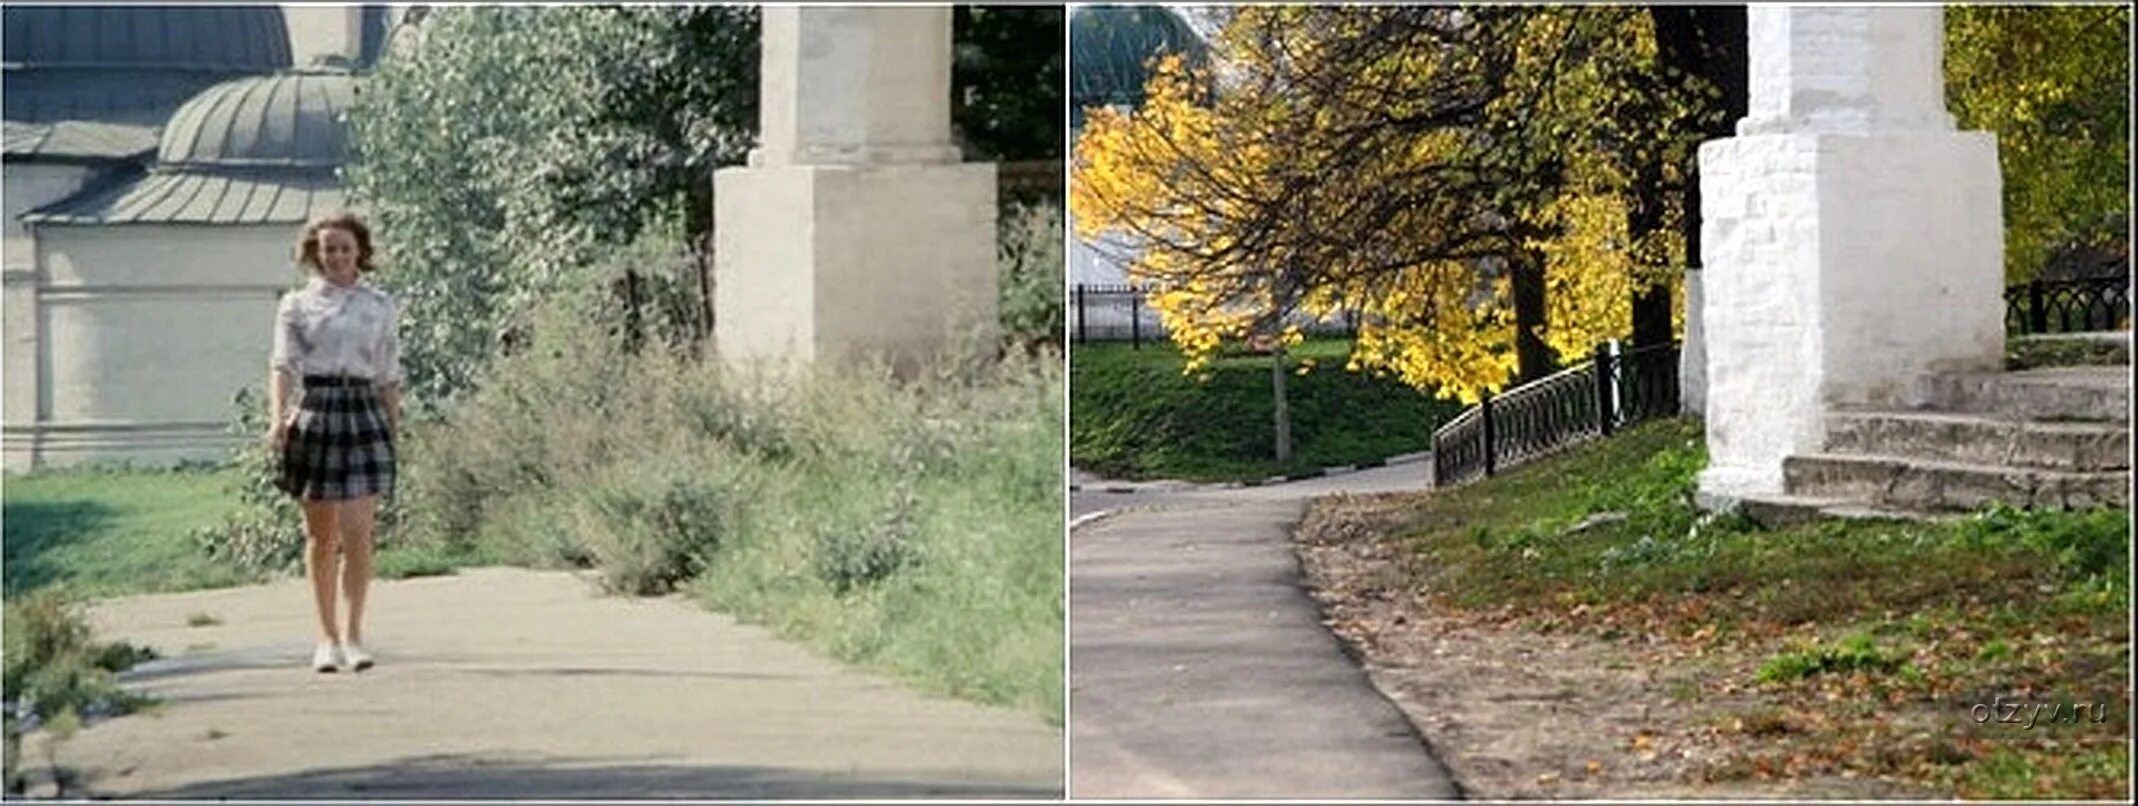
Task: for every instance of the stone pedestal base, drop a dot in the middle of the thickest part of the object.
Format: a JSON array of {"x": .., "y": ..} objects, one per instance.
[
  {"x": 843, "y": 263},
  {"x": 1839, "y": 269}
]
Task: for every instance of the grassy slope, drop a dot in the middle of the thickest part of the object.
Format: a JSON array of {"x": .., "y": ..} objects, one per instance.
[
  {"x": 113, "y": 532},
  {"x": 109, "y": 532},
  {"x": 977, "y": 612},
  {"x": 1841, "y": 630},
  {"x": 1134, "y": 415}
]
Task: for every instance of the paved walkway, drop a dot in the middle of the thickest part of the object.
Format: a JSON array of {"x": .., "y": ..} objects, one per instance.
[
  {"x": 1199, "y": 667},
  {"x": 520, "y": 684}
]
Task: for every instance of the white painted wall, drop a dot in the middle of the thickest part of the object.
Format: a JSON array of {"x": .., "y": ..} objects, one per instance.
[
  {"x": 30, "y": 185},
  {"x": 321, "y": 30},
  {"x": 147, "y": 333}
]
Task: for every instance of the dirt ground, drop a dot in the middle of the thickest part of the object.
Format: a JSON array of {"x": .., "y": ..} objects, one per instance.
[{"x": 1519, "y": 714}]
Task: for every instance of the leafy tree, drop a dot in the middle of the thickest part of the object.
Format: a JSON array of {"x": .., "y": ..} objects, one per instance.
[
  {"x": 1006, "y": 81},
  {"x": 513, "y": 153},
  {"x": 2053, "y": 83},
  {"x": 509, "y": 148},
  {"x": 1460, "y": 176}
]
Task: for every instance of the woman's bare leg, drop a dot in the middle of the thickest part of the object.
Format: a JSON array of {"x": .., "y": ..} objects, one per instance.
[
  {"x": 322, "y": 527},
  {"x": 358, "y": 515}
]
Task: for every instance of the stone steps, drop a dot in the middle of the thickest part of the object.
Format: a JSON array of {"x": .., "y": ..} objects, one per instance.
[
  {"x": 1979, "y": 440},
  {"x": 1785, "y": 510},
  {"x": 1923, "y": 485},
  {"x": 2053, "y": 394},
  {"x": 2047, "y": 438}
]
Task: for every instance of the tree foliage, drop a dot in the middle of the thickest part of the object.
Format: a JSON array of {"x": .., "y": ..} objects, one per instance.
[
  {"x": 511, "y": 148},
  {"x": 2053, "y": 83},
  {"x": 1006, "y": 81},
  {"x": 513, "y": 153},
  {"x": 1412, "y": 164}
]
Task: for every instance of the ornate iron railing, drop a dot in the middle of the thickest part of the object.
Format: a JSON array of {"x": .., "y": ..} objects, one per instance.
[
  {"x": 1571, "y": 406},
  {"x": 1101, "y": 312},
  {"x": 2068, "y": 306}
]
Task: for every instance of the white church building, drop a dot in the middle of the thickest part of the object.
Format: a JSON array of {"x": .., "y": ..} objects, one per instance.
[{"x": 159, "y": 161}]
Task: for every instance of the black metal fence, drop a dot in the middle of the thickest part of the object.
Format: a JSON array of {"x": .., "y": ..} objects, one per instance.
[
  {"x": 2068, "y": 306},
  {"x": 1120, "y": 313},
  {"x": 1582, "y": 402}
]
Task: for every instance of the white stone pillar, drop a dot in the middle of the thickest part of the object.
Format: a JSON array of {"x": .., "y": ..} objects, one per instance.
[
  {"x": 1692, "y": 356},
  {"x": 1852, "y": 240},
  {"x": 854, "y": 230}
]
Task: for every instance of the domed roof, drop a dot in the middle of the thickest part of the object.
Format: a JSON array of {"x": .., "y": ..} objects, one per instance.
[
  {"x": 1110, "y": 46},
  {"x": 290, "y": 119},
  {"x": 129, "y": 65},
  {"x": 245, "y": 38}
]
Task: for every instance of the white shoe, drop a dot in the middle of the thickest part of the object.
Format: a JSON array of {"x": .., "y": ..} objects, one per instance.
[
  {"x": 327, "y": 658},
  {"x": 359, "y": 660}
]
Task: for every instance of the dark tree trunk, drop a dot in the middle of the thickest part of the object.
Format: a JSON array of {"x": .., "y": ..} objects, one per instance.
[
  {"x": 1283, "y": 408},
  {"x": 1533, "y": 357},
  {"x": 1706, "y": 41}
]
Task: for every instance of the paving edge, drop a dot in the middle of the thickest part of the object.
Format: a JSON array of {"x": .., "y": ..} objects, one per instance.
[
  {"x": 1332, "y": 470},
  {"x": 1090, "y": 518}
]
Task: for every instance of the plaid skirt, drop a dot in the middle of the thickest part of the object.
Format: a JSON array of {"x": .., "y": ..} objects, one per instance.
[{"x": 339, "y": 446}]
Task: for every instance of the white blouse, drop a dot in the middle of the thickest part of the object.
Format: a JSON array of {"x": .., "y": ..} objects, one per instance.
[{"x": 326, "y": 329}]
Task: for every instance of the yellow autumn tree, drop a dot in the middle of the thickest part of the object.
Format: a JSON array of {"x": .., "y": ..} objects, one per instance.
[{"x": 1461, "y": 179}]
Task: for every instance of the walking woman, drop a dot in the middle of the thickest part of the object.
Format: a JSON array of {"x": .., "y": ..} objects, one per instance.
[{"x": 334, "y": 405}]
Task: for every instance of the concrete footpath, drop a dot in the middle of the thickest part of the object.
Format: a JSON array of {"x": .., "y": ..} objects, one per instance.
[
  {"x": 1199, "y": 668},
  {"x": 506, "y": 683}
]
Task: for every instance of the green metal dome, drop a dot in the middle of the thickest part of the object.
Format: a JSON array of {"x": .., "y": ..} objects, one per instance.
[
  {"x": 1110, "y": 49},
  {"x": 283, "y": 120},
  {"x": 237, "y": 38},
  {"x": 131, "y": 64}
]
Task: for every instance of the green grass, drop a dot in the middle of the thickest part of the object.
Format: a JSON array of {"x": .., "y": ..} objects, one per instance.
[
  {"x": 104, "y": 532},
  {"x": 1848, "y": 622},
  {"x": 1133, "y": 414},
  {"x": 2069, "y": 351},
  {"x": 1859, "y": 652},
  {"x": 910, "y": 526},
  {"x": 963, "y": 551},
  {"x": 115, "y": 531}
]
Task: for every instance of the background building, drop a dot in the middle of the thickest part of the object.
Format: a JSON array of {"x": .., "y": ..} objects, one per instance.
[{"x": 158, "y": 161}]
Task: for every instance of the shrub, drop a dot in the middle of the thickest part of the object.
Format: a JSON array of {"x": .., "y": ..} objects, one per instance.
[
  {"x": 1029, "y": 254},
  {"x": 651, "y": 524},
  {"x": 57, "y": 674},
  {"x": 913, "y": 525},
  {"x": 847, "y": 558},
  {"x": 264, "y": 533}
]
